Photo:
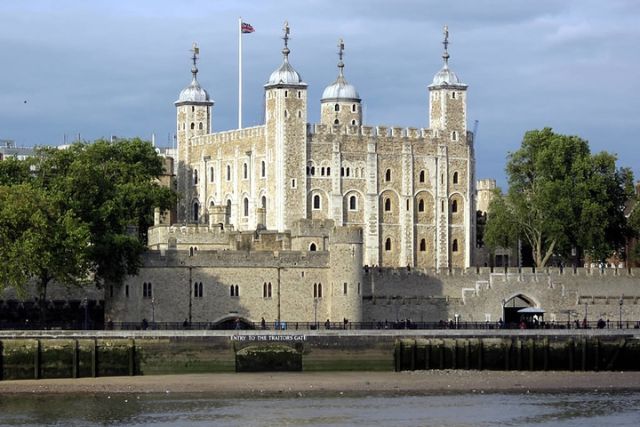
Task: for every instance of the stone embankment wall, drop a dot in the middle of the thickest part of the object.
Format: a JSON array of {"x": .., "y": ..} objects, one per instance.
[{"x": 29, "y": 355}]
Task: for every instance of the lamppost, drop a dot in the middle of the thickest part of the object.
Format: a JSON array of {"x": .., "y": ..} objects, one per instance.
[
  {"x": 620, "y": 302},
  {"x": 315, "y": 312},
  {"x": 153, "y": 312}
]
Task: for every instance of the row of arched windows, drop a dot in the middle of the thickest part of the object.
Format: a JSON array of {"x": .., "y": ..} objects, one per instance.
[
  {"x": 422, "y": 246},
  {"x": 324, "y": 171},
  {"x": 317, "y": 290},
  {"x": 198, "y": 289},
  {"x": 266, "y": 290},
  {"x": 234, "y": 291},
  {"x": 354, "y": 108}
]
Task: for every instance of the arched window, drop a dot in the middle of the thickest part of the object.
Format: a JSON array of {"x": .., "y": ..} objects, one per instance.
[
  {"x": 232, "y": 291},
  {"x": 353, "y": 203},
  {"x": 211, "y": 174},
  {"x": 228, "y": 172},
  {"x": 348, "y": 171},
  {"x": 198, "y": 290},
  {"x": 286, "y": 114},
  {"x": 316, "y": 201},
  {"x": 387, "y": 244},
  {"x": 264, "y": 290},
  {"x": 200, "y": 125},
  {"x": 245, "y": 204},
  {"x": 454, "y": 206},
  {"x": 387, "y": 205},
  {"x": 322, "y": 171},
  {"x": 312, "y": 247},
  {"x": 421, "y": 176},
  {"x": 328, "y": 171},
  {"x": 193, "y": 108},
  {"x": 454, "y": 246},
  {"x": 263, "y": 169},
  {"x": 315, "y": 290},
  {"x": 319, "y": 290},
  {"x": 353, "y": 122},
  {"x": 299, "y": 94},
  {"x": 269, "y": 290},
  {"x": 336, "y": 122},
  {"x": 313, "y": 170},
  {"x": 423, "y": 245},
  {"x": 342, "y": 171},
  {"x": 264, "y": 202},
  {"x": 237, "y": 290},
  {"x": 196, "y": 211},
  {"x": 453, "y": 95},
  {"x": 421, "y": 205},
  {"x": 344, "y": 288},
  {"x": 195, "y": 177},
  {"x": 193, "y": 125},
  {"x": 299, "y": 114},
  {"x": 245, "y": 171},
  {"x": 228, "y": 209},
  {"x": 286, "y": 93},
  {"x": 336, "y": 107},
  {"x": 353, "y": 108},
  {"x": 191, "y": 251},
  {"x": 387, "y": 175},
  {"x": 455, "y": 177},
  {"x": 147, "y": 291},
  {"x": 454, "y": 135}
]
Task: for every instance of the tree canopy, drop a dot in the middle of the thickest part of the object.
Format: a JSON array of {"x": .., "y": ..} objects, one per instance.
[
  {"x": 68, "y": 214},
  {"x": 560, "y": 197}
]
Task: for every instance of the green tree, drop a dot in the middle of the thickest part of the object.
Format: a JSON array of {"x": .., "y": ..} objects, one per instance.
[
  {"x": 560, "y": 197},
  {"x": 106, "y": 190},
  {"x": 39, "y": 241}
]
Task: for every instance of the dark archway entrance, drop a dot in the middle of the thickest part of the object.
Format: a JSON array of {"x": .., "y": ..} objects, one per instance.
[
  {"x": 234, "y": 323},
  {"x": 511, "y": 306}
]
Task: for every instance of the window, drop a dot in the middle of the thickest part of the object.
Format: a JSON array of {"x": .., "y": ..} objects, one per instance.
[
  {"x": 293, "y": 183},
  {"x": 342, "y": 171},
  {"x": 299, "y": 94},
  {"x": 344, "y": 288},
  {"x": 322, "y": 171},
  {"x": 454, "y": 206},
  {"x": 313, "y": 170},
  {"x": 193, "y": 125},
  {"x": 316, "y": 201},
  {"x": 195, "y": 177},
  {"x": 126, "y": 291},
  {"x": 454, "y": 246},
  {"x": 269, "y": 290},
  {"x": 299, "y": 114},
  {"x": 228, "y": 172},
  {"x": 387, "y": 175},
  {"x": 454, "y": 135},
  {"x": 423, "y": 245},
  {"x": 196, "y": 211},
  {"x": 147, "y": 291},
  {"x": 387, "y": 205},
  {"x": 264, "y": 290},
  {"x": 312, "y": 247},
  {"x": 348, "y": 171},
  {"x": 421, "y": 176},
  {"x": 455, "y": 177},
  {"x": 353, "y": 122},
  {"x": 319, "y": 290},
  {"x": 442, "y": 206},
  {"x": 354, "y": 108},
  {"x": 211, "y": 174},
  {"x": 245, "y": 171},
  {"x": 228, "y": 209},
  {"x": 353, "y": 203},
  {"x": 453, "y": 95},
  {"x": 328, "y": 171},
  {"x": 197, "y": 290},
  {"x": 286, "y": 93},
  {"x": 245, "y": 204},
  {"x": 264, "y": 202},
  {"x": 263, "y": 169},
  {"x": 421, "y": 205},
  {"x": 286, "y": 114},
  {"x": 336, "y": 122},
  {"x": 358, "y": 288},
  {"x": 387, "y": 244},
  {"x": 200, "y": 125},
  {"x": 193, "y": 108},
  {"x": 336, "y": 107},
  {"x": 232, "y": 291}
]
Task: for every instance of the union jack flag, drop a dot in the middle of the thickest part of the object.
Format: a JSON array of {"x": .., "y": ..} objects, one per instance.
[{"x": 246, "y": 28}]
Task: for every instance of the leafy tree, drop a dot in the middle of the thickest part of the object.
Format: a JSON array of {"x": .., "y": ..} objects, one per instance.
[
  {"x": 106, "y": 190},
  {"x": 560, "y": 197},
  {"x": 39, "y": 241}
]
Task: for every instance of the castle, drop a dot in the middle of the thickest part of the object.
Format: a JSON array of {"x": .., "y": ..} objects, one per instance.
[{"x": 277, "y": 221}]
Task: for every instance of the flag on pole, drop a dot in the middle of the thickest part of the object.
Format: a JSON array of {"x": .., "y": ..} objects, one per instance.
[{"x": 246, "y": 28}]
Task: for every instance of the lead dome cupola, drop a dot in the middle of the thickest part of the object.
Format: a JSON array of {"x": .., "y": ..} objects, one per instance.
[
  {"x": 285, "y": 74},
  {"x": 446, "y": 76},
  {"x": 194, "y": 93},
  {"x": 340, "y": 90}
]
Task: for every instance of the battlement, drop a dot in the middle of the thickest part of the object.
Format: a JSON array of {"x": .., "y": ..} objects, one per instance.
[
  {"x": 522, "y": 274},
  {"x": 230, "y": 136},
  {"x": 346, "y": 234},
  {"x": 369, "y": 131},
  {"x": 486, "y": 184},
  {"x": 230, "y": 259}
]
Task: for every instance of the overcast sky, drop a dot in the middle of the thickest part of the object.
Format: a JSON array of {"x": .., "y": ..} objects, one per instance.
[{"x": 102, "y": 68}]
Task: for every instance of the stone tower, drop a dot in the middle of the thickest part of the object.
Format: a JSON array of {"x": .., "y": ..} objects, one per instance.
[
  {"x": 193, "y": 119},
  {"x": 340, "y": 103},
  {"x": 286, "y": 140},
  {"x": 345, "y": 259},
  {"x": 454, "y": 195}
]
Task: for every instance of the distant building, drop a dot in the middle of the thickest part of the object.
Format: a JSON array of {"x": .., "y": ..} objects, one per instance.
[{"x": 8, "y": 149}]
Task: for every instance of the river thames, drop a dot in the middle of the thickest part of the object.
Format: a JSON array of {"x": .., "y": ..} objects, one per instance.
[{"x": 190, "y": 409}]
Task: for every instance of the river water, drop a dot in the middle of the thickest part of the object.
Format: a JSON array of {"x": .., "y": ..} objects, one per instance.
[{"x": 541, "y": 409}]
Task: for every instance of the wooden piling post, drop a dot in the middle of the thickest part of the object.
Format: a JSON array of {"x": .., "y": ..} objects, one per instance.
[
  {"x": 545, "y": 354},
  {"x": 427, "y": 354},
  {"x": 94, "y": 358},
  {"x": 131, "y": 349},
  {"x": 467, "y": 353},
  {"x": 584, "y": 354},
  {"x": 532, "y": 350},
  {"x": 75, "y": 360},
  {"x": 36, "y": 361},
  {"x": 507, "y": 353},
  {"x": 480, "y": 351}
]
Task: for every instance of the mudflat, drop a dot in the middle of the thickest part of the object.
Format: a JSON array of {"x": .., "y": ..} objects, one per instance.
[{"x": 338, "y": 383}]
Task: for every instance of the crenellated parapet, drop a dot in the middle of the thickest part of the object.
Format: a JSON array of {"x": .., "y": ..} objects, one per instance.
[{"x": 230, "y": 136}]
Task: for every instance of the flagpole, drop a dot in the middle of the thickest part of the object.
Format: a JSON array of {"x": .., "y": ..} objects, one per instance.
[{"x": 240, "y": 73}]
